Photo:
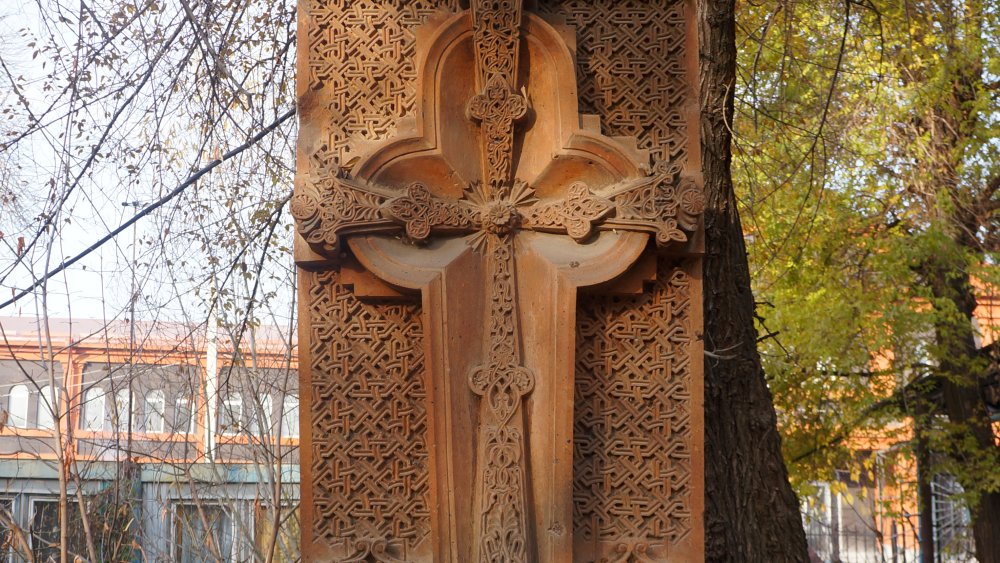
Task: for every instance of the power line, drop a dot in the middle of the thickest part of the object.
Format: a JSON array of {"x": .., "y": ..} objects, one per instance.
[{"x": 152, "y": 207}]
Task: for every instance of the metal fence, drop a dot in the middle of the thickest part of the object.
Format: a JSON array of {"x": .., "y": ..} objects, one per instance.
[{"x": 851, "y": 527}]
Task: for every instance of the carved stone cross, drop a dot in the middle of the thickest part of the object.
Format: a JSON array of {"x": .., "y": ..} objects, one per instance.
[{"x": 443, "y": 209}]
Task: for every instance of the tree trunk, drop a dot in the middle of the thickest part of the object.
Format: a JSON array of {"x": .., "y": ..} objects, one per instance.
[
  {"x": 962, "y": 372},
  {"x": 986, "y": 528},
  {"x": 925, "y": 477},
  {"x": 751, "y": 513},
  {"x": 962, "y": 209}
]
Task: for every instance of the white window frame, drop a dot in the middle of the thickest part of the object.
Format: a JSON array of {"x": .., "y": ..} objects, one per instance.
[
  {"x": 289, "y": 405},
  {"x": 229, "y": 511},
  {"x": 94, "y": 413},
  {"x": 45, "y": 417},
  {"x": 189, "y": 428},
  {"x": 18, "y": 412},
  {"x": 28, "y": 530},
  {"x": 11, "y": 549},
  {"x": 231, "y": 411},
  {"x": 256, "y": 426},
  {"x": 121, "y": 413},
  {"x": 31, "y": 517},
  {"x": 155, "y": 405}
]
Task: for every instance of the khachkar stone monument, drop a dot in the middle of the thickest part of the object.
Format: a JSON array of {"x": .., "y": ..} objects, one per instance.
[{"x": 498, "y": 207}]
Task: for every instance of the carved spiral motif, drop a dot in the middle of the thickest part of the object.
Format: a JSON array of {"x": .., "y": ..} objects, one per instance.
[
  {"x": 303, "y": 206},
  {"x": 371, "y": 550},
  {"x": 693, "y": 202},
  {"x": 629, "y": 553}
]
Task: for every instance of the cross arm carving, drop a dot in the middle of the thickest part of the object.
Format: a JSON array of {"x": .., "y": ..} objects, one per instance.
[
  {"x": 667, "y": 206},
  {"x": 346, "y": 207}
]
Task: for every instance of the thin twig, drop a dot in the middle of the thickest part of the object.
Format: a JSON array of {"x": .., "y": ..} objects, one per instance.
[{"x": 152, "y": 207}]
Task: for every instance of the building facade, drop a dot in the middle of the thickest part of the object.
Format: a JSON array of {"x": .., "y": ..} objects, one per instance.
[
  {"x": 178, "y": 444},
  {"x": 873, "y": 515}
]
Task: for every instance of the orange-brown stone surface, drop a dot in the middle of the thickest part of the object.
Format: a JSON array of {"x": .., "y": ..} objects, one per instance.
[{"x": 498, "y": 210}]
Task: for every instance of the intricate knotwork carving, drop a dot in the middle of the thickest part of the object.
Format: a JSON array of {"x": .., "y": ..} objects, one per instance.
[
  {"x": 502, "y": 382},
  {"x": 498, "y": 108},
  {"x": 343, "y": 208},
  {"x": 361, "y": 61},
  {"x": 666, "y": 205},
  {"x": 576, "y": 215},
  {"x": 496, "y": 26},
  {"x": 365, "y": 79},
  {"x": 631, "y": 68},
  {"x": 632, "y": 552},
  {"x": 371, "y": 551},
  {"x": 632, "y": 429},
  {"x": 421, "y": 213},
  {"x": 368, "y": 415}
]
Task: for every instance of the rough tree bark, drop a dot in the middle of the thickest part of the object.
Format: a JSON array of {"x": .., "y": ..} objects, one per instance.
[{"x": 751, "y": 512}]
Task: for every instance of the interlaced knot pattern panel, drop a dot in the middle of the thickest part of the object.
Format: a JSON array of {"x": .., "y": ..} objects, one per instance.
[
  {"x": 369, "y": 419},
  {"x": 632, "y": 426}
]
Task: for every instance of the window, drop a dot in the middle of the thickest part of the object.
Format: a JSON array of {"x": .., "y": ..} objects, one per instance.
[
  {"x": 202, "y": 533},
  {"x": 44, "y": 532},
  {"x": 124, "y": 407},
  {"x": 183, "y": 416},
  {"x": 231, "y": 414},
  {"x": 46, "y": 411},
  {"x": 17, "y": 406},
  {"x": 156, "y": 405},
  {"x": 260, "y": 418},
  {"x": 290, "y": 417},
  {"x": 93, "y": 409},
  {"x": 952, "y": 519}
]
